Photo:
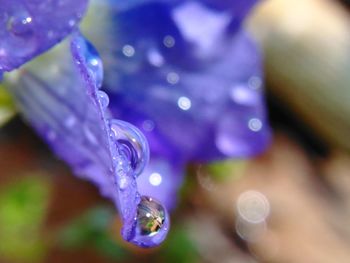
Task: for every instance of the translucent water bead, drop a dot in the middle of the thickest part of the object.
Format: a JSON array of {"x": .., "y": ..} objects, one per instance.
[
  {"x": 152, "y": 223},
  {"x": 20, "y": 24},
  {"x": 132, "y": 144},
  {"x": 93, "y": 60}
]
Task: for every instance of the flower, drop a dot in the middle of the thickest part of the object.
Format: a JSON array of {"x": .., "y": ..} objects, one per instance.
[{"x": 184, "y": 72}]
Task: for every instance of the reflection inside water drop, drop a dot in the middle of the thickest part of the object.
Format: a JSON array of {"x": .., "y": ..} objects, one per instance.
[
  {"x": 132, "y": 144},
  {"x": 150, "y": 216}
]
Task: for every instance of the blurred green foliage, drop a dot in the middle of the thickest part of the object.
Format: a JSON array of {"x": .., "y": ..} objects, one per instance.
[
  {"x": 179, "y": 247},
  {"x": 23, "y": 206},
  {"x": 93, "y": 229},
  {"x": 220, "y": 171},
  {"x": 7, "y": 108}
]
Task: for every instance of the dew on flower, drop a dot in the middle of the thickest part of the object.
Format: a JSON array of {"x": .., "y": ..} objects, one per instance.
[
  {"x": 128, "y": 50},
  {"x": 255, "y": 82},
  {"x": 184, "y": 103},
  {"x": 132, "y": 144},
  {"x": 104, "y": 99},
  {"x": 20, "y": 24},
  {"x": 169, "y": 41},
  {"x": 152, "y": 223},
  {"x": 148, "y": 125},
  {"x": 150, "y": 216},
  {"x": 255, "y": 124}
]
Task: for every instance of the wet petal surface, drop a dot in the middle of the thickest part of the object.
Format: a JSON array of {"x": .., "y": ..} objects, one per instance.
[
  {"x": 30, "y": 27},
  {"x": 190, "y": 83},
  {"x": 61, "y": 99}
]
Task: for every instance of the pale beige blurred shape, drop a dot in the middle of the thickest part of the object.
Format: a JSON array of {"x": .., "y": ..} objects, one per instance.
[
  {"x": 307, "y": 55},
  {"x": 306, "y": 223}
]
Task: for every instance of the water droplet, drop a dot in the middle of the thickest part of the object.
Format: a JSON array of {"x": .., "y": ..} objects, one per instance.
[
  {"x": 148, "y": 125},
  {"x": 131, "y": 144},
  {"x": 123, "y": 182},
  {"x": 150, "y": 217},
  {"x": 104, "y": 99},
  {"x": 173, "y": 78},
  {"x": 152, "y": 223},
  {"x": 22, "y": 40},
  {"x": 128, "y": 50},
  {"x": 21, "y": 24},
  {"x": 255, "y": 124},
  {"x": 184, "y": 103},
  {"x": 94, "y": 64},
  {"x": 92, "y": 58},
  {"x": 169, "y": 41},
  {"x": 255, "y": 82}
]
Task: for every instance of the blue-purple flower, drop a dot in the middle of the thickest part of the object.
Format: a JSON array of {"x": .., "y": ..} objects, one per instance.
[{"x": 184, "y": 72}]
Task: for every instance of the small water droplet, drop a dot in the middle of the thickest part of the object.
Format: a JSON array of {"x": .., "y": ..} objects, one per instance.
[
  {"x": 22, "y": 40},
  {"x": 184, "y": 103},
  {"x": 255, "y": 124},
  {"x": 21, "y": 24},
  {"x": 123, "y": 182},
  {"x": 92, "y": 59},
  {"x": 104, "y": 99},
  {"x": 169, "y": 41},
  {"x": 131, "y": 144},
  {"x": 94, "y": 63},
  {"x": 148, "y": 125},
  {"x": 128, "y": 50},
  {"x": 255, "y": 82},
  {"x": 172, "y": 78}
]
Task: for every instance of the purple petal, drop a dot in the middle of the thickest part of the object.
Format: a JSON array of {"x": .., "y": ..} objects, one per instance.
[
  {"x": 162, "y": 179},
  {"x": 30, "y": 27},
  {"x": 186, "y": 81},
  {"x": 61, "y": 100}
]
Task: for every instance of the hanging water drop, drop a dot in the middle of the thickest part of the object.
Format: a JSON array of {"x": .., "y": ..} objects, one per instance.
[
  {"x": 94, "y": 63},
  {"x": 131, "y": 144},
  {"x": 152, "y": 223},
  {"x": 92, "y": 58}
]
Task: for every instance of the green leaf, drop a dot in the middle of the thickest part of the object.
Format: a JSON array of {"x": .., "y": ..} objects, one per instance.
[
  {"x": 179, "y": 247},
  {"x": 23, "y": 206},
  {"x": 220, "y": 171},
  {"x": 7, "y": 107},
  {"x": 92, "y": 229}
]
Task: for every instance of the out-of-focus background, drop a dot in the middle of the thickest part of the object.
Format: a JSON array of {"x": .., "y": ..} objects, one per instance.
[{"x": 291, "y": 204}]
